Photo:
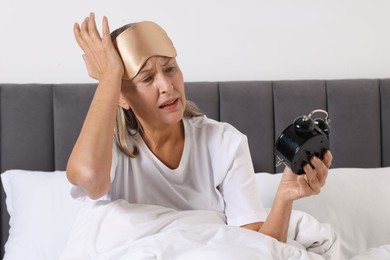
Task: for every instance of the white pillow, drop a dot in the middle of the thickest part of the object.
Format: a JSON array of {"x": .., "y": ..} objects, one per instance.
[
  {"x": 355, "y": 201},
  {"x": 268, "y": 184},
  {"x": 42, "y": 213}
]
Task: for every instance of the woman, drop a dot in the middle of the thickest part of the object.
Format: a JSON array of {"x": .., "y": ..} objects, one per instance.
[{"x": 166, "y": 153}]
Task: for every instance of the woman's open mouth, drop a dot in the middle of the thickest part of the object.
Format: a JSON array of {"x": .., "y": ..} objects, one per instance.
[{"x": 171, "y": 104}]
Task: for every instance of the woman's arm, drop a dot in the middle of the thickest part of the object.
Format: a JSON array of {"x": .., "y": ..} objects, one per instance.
[
  {"x": 293, "y": 187},
  {"x": 90, "y": 161}
]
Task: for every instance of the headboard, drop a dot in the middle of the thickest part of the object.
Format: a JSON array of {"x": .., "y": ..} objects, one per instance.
[{"x": 39, "y": 123}]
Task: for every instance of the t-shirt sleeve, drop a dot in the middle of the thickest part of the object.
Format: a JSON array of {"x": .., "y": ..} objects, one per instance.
[
  {"x": 79, "y": 194},
  {"x": 240, "y": 191}
]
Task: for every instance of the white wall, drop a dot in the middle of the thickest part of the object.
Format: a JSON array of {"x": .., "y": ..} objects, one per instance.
[{"x": 215, "y": 40}]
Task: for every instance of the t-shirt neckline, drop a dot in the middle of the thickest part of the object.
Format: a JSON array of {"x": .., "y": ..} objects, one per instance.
[{"x": 158, "y": 162}]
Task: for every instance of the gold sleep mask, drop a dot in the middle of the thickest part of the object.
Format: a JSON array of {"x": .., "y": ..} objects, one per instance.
[{"x": 139, "y": 42}]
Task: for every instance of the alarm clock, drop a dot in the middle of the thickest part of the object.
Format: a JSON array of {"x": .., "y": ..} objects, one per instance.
[{"x": 304, "y": 138}]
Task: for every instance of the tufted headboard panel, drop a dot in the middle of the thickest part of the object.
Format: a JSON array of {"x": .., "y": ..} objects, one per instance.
[{"x": 39, "y": 123}]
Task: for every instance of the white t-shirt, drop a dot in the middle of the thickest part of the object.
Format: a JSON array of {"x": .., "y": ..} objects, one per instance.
[{"x": 215, "y": 173}]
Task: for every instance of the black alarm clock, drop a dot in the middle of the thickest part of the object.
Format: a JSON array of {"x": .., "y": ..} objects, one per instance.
[{"x": 304, "y": 138}]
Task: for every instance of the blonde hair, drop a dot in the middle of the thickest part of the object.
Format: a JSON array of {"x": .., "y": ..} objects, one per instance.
[{"x": 127, "y": 124}]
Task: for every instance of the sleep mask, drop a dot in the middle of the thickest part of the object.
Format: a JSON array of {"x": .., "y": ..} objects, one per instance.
[{"x": 139, "y": 42}]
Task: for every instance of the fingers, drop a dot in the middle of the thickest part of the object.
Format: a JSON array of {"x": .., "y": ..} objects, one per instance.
[
  {"x": 88, "y": 30},
  {"x": 76, "y": 32},
  {"x": 84, "y": 27},
  {"x": 328, "y": 157},
  {"x": 106, "y": 28},
  {"x": 313, "y": 181},
  {"x": 79, "y": 32},
  {"x": 317, "y": 172},
  {"x": 87, "y": 33},
  {"x": 92, "y": 29},
  {"x": 106, "y": 37}
]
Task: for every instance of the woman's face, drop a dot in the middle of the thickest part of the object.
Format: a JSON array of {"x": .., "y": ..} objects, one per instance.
[{"x": 156, "y": 94}]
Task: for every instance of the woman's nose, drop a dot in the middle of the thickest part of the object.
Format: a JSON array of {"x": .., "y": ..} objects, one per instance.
[{"x": 163, "y": 83}]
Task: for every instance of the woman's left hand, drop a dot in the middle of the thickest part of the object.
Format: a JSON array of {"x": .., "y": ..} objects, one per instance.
[{"x": 293, "y": 187}]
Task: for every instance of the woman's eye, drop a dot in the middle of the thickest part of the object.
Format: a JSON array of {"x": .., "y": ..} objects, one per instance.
[
  {"x": 147, "y": 79},
  {"x": 170, "y": 69}
]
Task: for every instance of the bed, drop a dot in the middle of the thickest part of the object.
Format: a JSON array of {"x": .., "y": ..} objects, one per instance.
[{"x": 39, "y": 124}]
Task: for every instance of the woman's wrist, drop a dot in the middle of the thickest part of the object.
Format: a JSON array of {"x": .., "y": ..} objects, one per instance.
[
  {"x": 284, "y": 197},
  {"x": 111, "y": 79}
]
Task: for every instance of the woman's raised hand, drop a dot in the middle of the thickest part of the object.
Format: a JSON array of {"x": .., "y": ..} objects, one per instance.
[
  {"x": 293, "y": 187},
  {"x": 101, "y": 58}
]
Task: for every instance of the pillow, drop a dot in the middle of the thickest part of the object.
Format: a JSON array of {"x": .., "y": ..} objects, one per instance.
[
  {"x": 354, "y": 201},
  {"x": 268, "y": 184},
  {"x": 42, "y": 213}
]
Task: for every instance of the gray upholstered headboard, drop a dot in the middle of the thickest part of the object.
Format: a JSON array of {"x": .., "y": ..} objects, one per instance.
[{"x": 39, "y": 123}]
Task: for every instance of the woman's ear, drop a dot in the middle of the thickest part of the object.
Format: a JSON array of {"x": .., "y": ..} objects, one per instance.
[{"x": 122, "y": 102}]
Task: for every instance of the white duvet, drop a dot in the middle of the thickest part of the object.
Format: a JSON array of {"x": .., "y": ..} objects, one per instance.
[
  {"x": 120, "y": 230},
  {"x": 377, "y": 253}
]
